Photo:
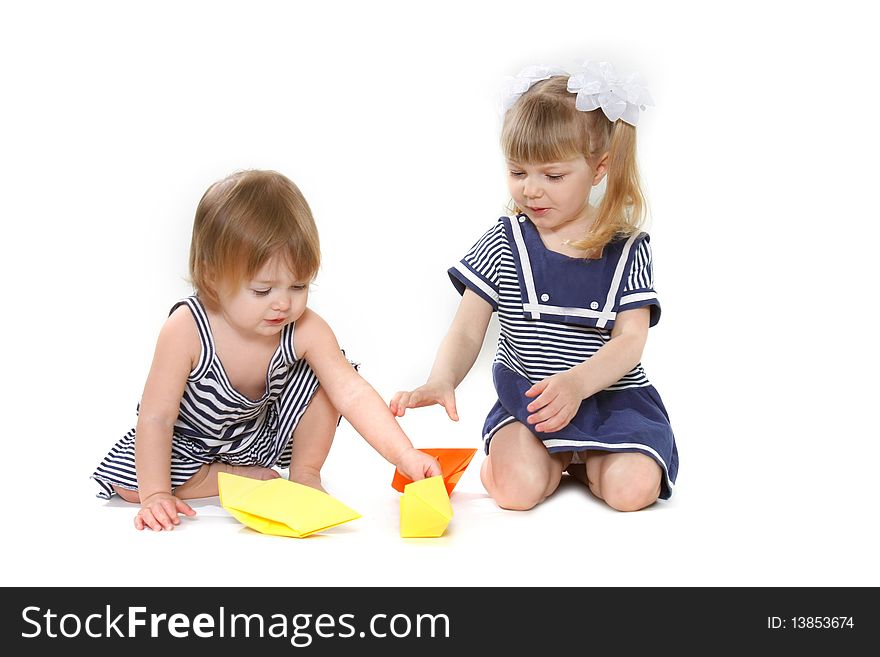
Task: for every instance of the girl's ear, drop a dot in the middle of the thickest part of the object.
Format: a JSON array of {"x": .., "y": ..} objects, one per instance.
[{"x": 599, "y": 165}]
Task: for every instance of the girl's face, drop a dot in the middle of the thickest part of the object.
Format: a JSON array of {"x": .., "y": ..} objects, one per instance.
[
  {"x": 555, "y": 193},
  {"x": 268, "y": 302}
]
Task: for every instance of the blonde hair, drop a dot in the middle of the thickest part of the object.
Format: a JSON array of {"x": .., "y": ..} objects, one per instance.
[
  {"x": 545, "y": 126},
  {"x": 244, "y": 220}
]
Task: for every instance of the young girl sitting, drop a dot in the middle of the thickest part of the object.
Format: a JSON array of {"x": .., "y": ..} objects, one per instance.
[
  {"x": 573, "y": 288},
  {"x": 245, "y": 377}
]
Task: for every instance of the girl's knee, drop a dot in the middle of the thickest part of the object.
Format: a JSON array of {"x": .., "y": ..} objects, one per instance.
[
  {"x": 517, "y": 500},
  {"x": 517, "y": 489},
  {"x": 633, "y": 490}
]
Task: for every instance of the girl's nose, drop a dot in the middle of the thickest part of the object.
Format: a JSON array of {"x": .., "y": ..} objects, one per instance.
[
  {"x": 282, "y": 302},
  {"x": 530, "y": 189}
]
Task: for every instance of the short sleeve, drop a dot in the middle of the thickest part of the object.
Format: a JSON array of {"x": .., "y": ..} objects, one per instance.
[
  {"x": 638, "y": 290},
  {"x": 478, "y": 269}
]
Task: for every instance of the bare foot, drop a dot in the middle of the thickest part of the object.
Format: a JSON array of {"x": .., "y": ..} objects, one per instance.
[
  {"x": 204, "y": 482},
  {"x": 307, "y": 478},
  {"x": 253, "y": 472}
]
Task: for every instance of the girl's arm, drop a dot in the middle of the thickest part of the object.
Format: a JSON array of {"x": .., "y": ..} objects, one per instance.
[
  {"x": 558, "y": 397},
  {"x": 456, "y": 355},
  {"x": 177, "y": 350},
  {"x": 356, "y": 399}
]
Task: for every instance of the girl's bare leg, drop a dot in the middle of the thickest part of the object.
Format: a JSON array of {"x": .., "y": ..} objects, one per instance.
[
  {"x": 519, "y": 472},
  {"x": 626, "y": 481},
  {"x": 312, "y": 439},
  {"x": 204, "y": 482}
]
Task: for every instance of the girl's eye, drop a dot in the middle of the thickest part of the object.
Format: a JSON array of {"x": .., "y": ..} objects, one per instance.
[
  {"x": 299, "y": 287},
  {"x": 262, "y": 293},
  {"x": 517, "y": 174},
  {"x": 555, "y": 177}
]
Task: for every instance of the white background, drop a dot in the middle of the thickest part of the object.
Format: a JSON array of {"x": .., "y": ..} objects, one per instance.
[{"x": 759, "y": 164}]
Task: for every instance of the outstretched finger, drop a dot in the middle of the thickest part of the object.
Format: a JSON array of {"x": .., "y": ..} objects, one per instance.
[
  {"x": 187, "y": 510},
  {"x": 451, "y": 410}
]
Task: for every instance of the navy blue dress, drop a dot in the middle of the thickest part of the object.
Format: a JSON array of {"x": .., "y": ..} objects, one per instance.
[{"x": 555, "y": 312}]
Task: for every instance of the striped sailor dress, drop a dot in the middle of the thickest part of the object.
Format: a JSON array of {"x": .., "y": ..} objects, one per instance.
[
  {"x": 555, "y": 312},
  {"x": 216, "y": 422}
]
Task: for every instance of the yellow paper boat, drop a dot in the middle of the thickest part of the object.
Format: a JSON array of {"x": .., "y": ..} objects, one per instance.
[
  {"x": 281, "y": 507},
  {"x": 425, "y": 510}
]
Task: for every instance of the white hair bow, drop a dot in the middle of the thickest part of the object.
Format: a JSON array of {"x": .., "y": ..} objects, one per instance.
[
  {"x": 599, "y": 86},
  {"x": 516, "y": 86}
]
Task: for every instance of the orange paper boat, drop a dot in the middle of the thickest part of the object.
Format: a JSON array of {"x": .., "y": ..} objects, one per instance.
[{"x": 453, "y": 462}]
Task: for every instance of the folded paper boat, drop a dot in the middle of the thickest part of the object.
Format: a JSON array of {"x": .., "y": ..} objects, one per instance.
[
  {"x": 425, "y": 510},
  {"x": 453, "y": 462},
  {"x": 281, "y": 507}
]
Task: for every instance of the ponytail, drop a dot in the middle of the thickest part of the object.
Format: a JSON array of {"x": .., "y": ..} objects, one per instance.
[{"x": 622, "y": 209}]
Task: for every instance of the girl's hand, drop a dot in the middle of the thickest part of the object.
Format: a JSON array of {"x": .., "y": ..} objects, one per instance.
[
  {"x": 426, "y": 395},
  {"x": 558, "y": 400},
  {"x": 159, "y": 511},
  {"x": 418, "y": 465}
]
